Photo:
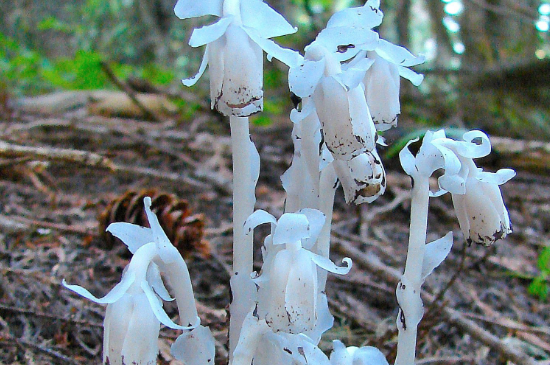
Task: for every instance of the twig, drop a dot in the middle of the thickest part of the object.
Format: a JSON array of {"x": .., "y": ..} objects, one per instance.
[
  {"x": 55, "y": 226},
  {"x": 391, "y": 275},
  {"x": 51, "y": 317},
  {"x": 128, "y": 90}
]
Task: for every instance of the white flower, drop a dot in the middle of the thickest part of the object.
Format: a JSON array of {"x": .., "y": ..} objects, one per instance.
[
  {"x": 234, "y": 50},
  {"x": 366, "y": 355},
  {"x": 337, "y": 97},
  {"x": 478, "y": 203},
  {"x": 289, "y": 299},
  {"x": 363, "y": 178}
]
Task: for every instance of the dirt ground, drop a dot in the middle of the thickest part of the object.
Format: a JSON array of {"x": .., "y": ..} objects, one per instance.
[{"x": 49, "y": 232}]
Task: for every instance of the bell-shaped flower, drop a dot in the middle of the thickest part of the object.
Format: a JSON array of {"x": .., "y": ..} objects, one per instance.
[
  {"x": 351, "y": 355},
  {"x": 477, "y": 199},
  {"x": 234, "y": 47},
  {"x": 259, "y": 345},
  {"x": 363, "y": 178},
  {"x": 337, "y": 97},
  {"x": 134, "y": 312},
  {"x": 289, "y": 297}
]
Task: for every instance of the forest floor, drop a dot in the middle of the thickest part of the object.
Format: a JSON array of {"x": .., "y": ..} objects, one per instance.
[{"x": 49, "y": 231}]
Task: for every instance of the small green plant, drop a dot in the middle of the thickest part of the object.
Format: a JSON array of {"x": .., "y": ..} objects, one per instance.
[{"x": 539, "y": 285}]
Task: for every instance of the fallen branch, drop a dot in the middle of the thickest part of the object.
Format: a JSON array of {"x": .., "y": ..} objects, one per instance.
[{"x": 391, "y": 275}]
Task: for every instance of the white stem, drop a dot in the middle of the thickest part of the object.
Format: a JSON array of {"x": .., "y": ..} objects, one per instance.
[
  {"x": 245, "y": 175},
  {"x": 327, "y": 188},
  {"x": 408, "y": 290}
]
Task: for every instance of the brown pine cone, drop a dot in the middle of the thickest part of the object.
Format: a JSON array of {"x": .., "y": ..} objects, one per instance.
[{"x": 184, "y": 230}]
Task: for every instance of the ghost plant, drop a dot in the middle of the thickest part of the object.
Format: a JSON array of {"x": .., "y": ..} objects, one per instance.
[
  {"x": 475, "y": 195},
  {"x": 134, "y": 306}
]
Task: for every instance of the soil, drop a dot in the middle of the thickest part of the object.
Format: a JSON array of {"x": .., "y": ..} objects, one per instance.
[{"x": 49, "y": 231}]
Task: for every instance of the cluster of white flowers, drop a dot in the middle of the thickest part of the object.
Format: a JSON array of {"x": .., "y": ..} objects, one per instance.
[{"x": 348, "y": 83}]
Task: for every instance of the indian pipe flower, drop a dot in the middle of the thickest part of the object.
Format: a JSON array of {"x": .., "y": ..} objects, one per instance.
[
  {"x": 289, "y": 298},
  {"x": 477, "y": 199},
  {"x": 352, "y": 355},
  {"x": 234, "y": 47}
]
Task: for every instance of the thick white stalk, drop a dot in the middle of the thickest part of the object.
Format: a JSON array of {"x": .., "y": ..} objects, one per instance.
[
  {"x": 408, "y": 290},
  {"x": 245, "y": 175}
]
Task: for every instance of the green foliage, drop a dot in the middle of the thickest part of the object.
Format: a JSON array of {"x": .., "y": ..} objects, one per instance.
[{"x": 539, "y": 285}]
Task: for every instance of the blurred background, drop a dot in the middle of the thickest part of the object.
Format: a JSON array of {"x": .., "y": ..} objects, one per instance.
[{"x": 488, "y": 60}]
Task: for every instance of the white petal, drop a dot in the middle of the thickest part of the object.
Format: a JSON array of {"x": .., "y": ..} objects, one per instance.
[
  {"x": 260, "y": 16},
  {"x": 159, "y": 312},
  {"x": 316, "y": 220},
  {"x": 115, "y": 294},
  {"x": 345, "y": 41},
  {"x": 308, "y": 107},
  {"x": 255, "y": 219},
  {"x": 287, "y": 56},
  {"x": 193, "y": 80},
  {"x": 369, "y": 355},
  {"x": 435, "y": 253},
  {"x": 192, "y": 8},
  {"x": 195, "y": 347},
  {"x": 353, "y": 76},
  {"x": 326, "y": 264},
  {"x": 167, "y": 252},
  {"x": 397, "y": 54},
  {"x": 132, "y": 235},
  {"x": 497, "y": 178},
  {"x": 408, "y": 161},
  {"x": 340, "y": 355},
  {"x": 473, "y": 150},
  {"x": 415, "y": 78},
  {"x": 154, "y": 279},
  {"x": 304, "y": 79},
  {"x": 141, "y": 341},
  {"x": 209, "y": 33},
  {"x": 325, "y": 320},
  {"x": 301, "y": 294},
  {"x": 291, "y": 227},
  {"x": 117, "y": 318},
  {"x": 366, "y": 16}
]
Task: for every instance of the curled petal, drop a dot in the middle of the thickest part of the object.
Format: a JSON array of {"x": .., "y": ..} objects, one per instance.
[
  {"x": 159, "y": 312},
  {"x": 497, "y": 178},
  {"x": 397, "y": 54},
  {"x": 308, "y": 107},
  {"x": 470, "y": 149},
  {"x": 408, "y": 161},
  {"x": 415, "y": 78},
  {"x": 132, "y": 235},
  {"x": 209, "y": 33},
  {"x": 266, "y": 21},
  {"x": 192, "y": 9},
  {"x": 435, "y": 253},
  {"x": 287, "y": 56},
  {"x": 193, "y": 80},
  {"x": 346, "y": 41},
  {"x": 326, "y": 264},
  {"x": 255, "y": 219},
  {"x": 154, "y": 279},
  {"x": 316, "y": 221},
  {"x": 115, "y": 294}
]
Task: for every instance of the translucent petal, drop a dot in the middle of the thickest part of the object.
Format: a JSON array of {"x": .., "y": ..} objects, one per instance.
[
  {"x": 369, "y": 355},
  {"x": 346, "y": 41},
  {"x": 301, "y": 293},
  {"x": 154, "y": 279},
  {"x": 415, "y": 78},
  {"x": 470, "y": 149},
  {"x": 497, "y": 178},
  {"x": 366, "y": 16},
  {"x": 193, "y": 80},
  {"x": 167, "y": 251},
  {"x": 316, "y": 220},
  {"x": 304, "y": 79},
  {"x": 340, "y": 355},
  {"x": 115, "y": 294},
  {"x": 159, "y": 312},
  {"x": 325, "y": 320},
  {"x": 291, "y": 227},
  {"x": 353, "y": 76},
  {"x": 132, "y": 235},
  {"x": 195, "y": 347},
  {"x": 255, "y": 219},
  {"x": 287, "y": 56},
  {"x": 435, "y": 253},
  {"x": 141, "y": 341},
  {"x": 115, "y": 326},
  {"x": 192, "y": 8},
  {"x": 325, "y": 264},
  {"x": 408, "y": 161},
  {"x": 260, "y": 16},
  {"x": 251, "y": 334},
  {"x": 209, "y": 33},
  {"x": 397, "y": 54},
  {"x": 452, "y": 183}
]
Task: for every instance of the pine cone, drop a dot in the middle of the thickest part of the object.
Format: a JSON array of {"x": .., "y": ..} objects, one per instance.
[{"x": 184, "y": 230}]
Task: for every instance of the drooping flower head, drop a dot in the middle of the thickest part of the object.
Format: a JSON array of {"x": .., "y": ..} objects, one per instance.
[
  {"x": 352, "y": 355},
  {"x": 478, "y": 203},
  {"x": 234, "y": 47},
  {"x": 289, "y": 298}
]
